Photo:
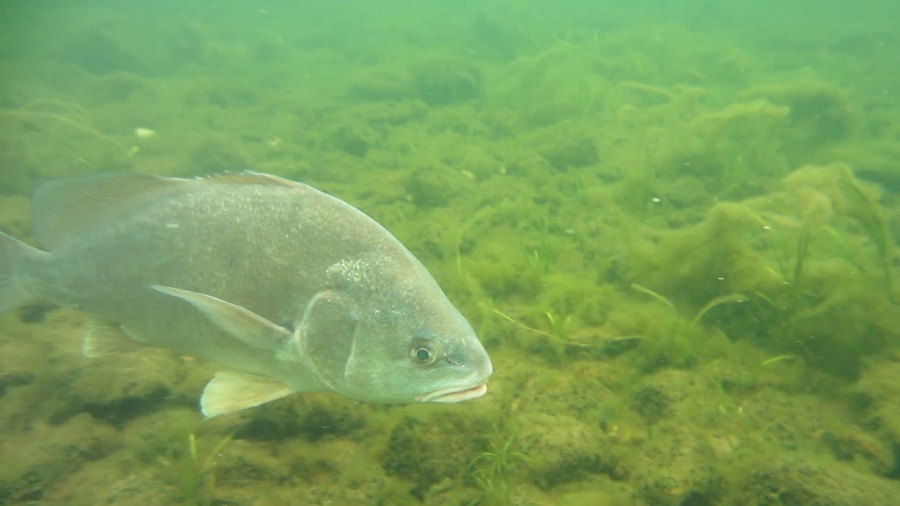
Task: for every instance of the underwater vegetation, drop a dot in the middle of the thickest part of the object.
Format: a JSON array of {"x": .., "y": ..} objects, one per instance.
[
  {"x": 199, "y": 472},
  {"x": 675, "y": 239},
  {"x": 492, "y": 469},
  {"x": 60, "y": 133}
]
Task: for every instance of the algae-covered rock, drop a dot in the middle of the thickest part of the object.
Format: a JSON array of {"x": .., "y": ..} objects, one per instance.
[
  {"x": 216, "y": 153},
  {"x": 733, "y": 149},
  {"x": 567, "y": 144},
  {"x": 35, "y": 462},
  {"x": 819, "y": 114},
  {"x": 384, "y": 83},
  {"x": 697, "y": 263},
  {"x": 350, "y": 139},
  {"x": 45, "y": 139},
  {"x": 878, "y": 396},
  {"x": 563, "y": 450},
  {"x": 426, "y": 452},
  {"x": 687, "y": 450},
  {"x": 435, "y": 185},
  {"x": 116, "y": 398},
  {"x": 651, "y": 402},
  {"x": 798, "y": 480},
  {"x": 295, "y": 419},
  {"x": 99, "y": 50},
  {"x": 446, "y": 80}
]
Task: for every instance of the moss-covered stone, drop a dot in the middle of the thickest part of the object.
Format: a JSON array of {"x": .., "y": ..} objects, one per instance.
[
  {"x": 446, "y": 80},
  {"x": 426, "y": 452}
]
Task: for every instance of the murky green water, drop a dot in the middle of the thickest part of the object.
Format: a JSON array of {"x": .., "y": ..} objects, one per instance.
[{"x": 671, "y": 223}]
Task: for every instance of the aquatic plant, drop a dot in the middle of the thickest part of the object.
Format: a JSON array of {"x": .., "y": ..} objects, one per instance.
[
  {"x": 493, "y": 470},
  {"x": 674, "y": 340},
  {"x": 559, "y": 326},
  {"x": 199, "y": 478},
  {"x": 789, "y": 357},
  {"x": 827, "y": 194},
  {"x": 869, "y": 214},
  {"x": 554, "y": 347},
  {"x": 47, "y": 114},
  {"x": 829, "y": 246},
  {"x": 713, "y": 303}
]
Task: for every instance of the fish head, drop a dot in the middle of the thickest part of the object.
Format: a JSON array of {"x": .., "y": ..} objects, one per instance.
[
  {"x": 401, "y": 344},
  {"x": 396, "y": 362}
]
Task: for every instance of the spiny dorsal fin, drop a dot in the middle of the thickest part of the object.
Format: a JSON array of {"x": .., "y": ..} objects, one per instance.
[{"x": 67, "y": 208}]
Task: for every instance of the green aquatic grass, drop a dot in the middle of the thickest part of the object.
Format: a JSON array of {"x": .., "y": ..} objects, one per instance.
[
  {"x": 557, "y": 338},
  {"x": 492, "y": 472},
  {"x": 712, "y": 304},
  {"x": 780, "y": 359},
  {"x": 869, "y": 213},
  {"x": 734, "y": 298},
  {"x": 199, "y": 478},
  {"x": 651, "y": 293},
  {"x": 673, "y": 340}
]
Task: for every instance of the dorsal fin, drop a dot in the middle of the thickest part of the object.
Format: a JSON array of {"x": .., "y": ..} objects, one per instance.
[
  {"x": 250, "y": 177},
  {"x": 66, "y": 208}
]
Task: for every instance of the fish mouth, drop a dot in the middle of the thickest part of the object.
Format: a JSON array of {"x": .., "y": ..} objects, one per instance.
[{"x": 454, "y": 394}]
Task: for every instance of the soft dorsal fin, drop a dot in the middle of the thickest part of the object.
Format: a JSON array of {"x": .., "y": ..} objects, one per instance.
[
  {"x": 103, "y": 337},
  {"x": 67, "y": 208}
]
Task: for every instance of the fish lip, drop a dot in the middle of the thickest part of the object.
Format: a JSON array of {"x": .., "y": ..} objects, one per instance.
[{"x": 454, "y": 394}]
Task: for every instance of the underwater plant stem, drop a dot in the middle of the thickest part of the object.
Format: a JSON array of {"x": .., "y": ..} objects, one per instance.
[
  {"x": 560, "y": 338},
  {"x": 199, "y": 479},
  {"x": 875, "y": 224},
  {"x": 717, "y": 301},
  {"x": 660, "y": 298},
  {"x": 779, "y": 358},
  {"x": 800, "y": 259}
]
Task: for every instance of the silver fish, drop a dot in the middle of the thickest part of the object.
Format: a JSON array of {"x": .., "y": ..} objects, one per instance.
[{"x": 288, "y": 288}]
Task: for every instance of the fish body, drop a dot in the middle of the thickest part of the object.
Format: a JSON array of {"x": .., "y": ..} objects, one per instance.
[{"x": 288, "y": 288}]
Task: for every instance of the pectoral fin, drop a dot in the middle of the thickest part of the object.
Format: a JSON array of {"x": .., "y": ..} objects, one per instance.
[
  {"x": 103, "y": 337},
  {"x": 231, "y": 391},
  {"x": 237, "y": 321}
]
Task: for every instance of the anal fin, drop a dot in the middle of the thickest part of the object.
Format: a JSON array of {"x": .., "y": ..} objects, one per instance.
[
  {"x": 231, "y": 391},
  {"x": 103, "y": 337}
]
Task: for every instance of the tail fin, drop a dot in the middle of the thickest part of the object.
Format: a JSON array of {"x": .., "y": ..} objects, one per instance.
[{"x": 15, "y": 256}]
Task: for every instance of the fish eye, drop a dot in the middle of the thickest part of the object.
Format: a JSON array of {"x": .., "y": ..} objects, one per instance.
[{"x": 423, "y": 351}]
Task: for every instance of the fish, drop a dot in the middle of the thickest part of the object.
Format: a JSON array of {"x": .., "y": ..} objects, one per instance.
[{"x": 286, "y": 288}]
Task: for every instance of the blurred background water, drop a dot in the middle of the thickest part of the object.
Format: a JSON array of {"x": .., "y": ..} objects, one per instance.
[{"x": 671, "y": 223}]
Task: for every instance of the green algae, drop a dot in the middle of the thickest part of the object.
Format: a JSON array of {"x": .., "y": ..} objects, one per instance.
[{"x": 676, "y": 240}]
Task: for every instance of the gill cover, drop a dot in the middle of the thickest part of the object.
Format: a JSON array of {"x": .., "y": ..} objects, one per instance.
[{"x": 327, "y": 336}]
